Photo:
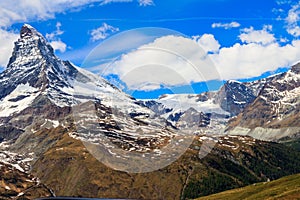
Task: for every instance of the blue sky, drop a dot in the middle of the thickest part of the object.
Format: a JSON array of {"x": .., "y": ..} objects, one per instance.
[{"x": 244, "y": 40}]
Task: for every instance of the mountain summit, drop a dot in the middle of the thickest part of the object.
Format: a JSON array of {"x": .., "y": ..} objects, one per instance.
[
  {"x": 30, "y": 49},
  {"x": 28, "y": 31},
  {"x": 34, "y": 66}
]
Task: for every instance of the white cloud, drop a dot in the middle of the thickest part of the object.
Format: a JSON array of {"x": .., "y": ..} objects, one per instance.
[
  {"x": 9, "y": 16},
  {"x": 294, "y": 31},
  {"x": 173, "y": 60},
  {"x": 226, "y": 25},
  {"x": 278, "y": 10},
  {"x": 282, "y": 2},
  {"x": 249, "y": 35},
  {"x": 252, "y": 60},
  {"x": 102, "y": 32},
  {"x": 292, "y": 20},
  {"x": 140, "y": 2},
  {"x": 20, "y": 11},
  {"x": 283, "y": 40},
  {"x": 146, "y": 2},
  {"x": 293, "y": 14},
  {"x": 31, "y": 10},
  {"x": 26, "y": 10},
  {"x": 54, "y": 39},
  {"x": 260, "y": 53},
  {"x": 7, "y": 39},
  {"x": 54, "y": 34},
  {"x": 207, "y": 42},
  {"x": 169, "y": 60},
  {"x": 114, "y": 1},
  {"x": 58, "y": 45}
]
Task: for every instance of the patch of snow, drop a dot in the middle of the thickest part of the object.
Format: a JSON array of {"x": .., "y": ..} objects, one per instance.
[
  {"x": 240, "y": 102},
  {"x": 234, "y": 81},
  {"x": 4, "y": 145},
  {"x": 17, "y": 166},
  {"x": 8, "y": 107},
  {"x": 49, "y": 122},
  {"x": 54, "y": 122},
  {"x": 20, "y": 194},
  {"x": 229, "y": 146},
  {"x": 27, "y": 160},
  {"x": 203, "y": 138},
  {"x": 18, "y": 161},
  {"x": 183, "y": 102}
]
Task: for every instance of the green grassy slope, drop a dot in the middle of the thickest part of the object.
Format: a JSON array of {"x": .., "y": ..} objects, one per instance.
[{"x": 284, "y": 188}]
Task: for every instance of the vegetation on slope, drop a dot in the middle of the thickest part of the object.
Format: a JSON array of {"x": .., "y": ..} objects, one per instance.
[
  {"x": 245, "y": 165},
  {"x": 283, "y": 188}
]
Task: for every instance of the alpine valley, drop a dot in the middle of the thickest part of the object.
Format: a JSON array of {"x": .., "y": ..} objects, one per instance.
[{"x": 53, "y": 113}]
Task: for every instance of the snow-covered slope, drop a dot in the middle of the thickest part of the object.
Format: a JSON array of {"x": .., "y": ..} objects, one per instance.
[
  {"x": 19, "y": 99},
  {"x": 211, "y": 110},
  {"x": 182, "y": 102},
  {"x": 230, "y": 100}
]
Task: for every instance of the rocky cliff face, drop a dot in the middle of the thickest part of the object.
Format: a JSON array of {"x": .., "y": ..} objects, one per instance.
[
  {"x": 234, "y": 96},
  {"x": 275, "y": 112}
]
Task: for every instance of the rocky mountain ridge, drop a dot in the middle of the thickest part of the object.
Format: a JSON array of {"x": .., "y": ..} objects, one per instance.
[{"x": 274, "y": 114}]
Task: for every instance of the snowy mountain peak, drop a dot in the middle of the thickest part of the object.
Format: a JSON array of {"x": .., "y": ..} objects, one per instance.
[
  {"x": 33, "y": 64},
  {"x": 33, "y": 72},
  {"x": 30, "y": 49},
  {"x": 28, "y": 31}
]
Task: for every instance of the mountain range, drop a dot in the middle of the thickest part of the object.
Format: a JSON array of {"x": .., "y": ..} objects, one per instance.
[{"x": 65, "y": 131}]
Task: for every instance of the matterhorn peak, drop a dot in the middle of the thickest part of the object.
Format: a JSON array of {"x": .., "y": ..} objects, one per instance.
[
  {"x": 28, "y": 31},
  {"x": 30, "y": 48},
  {"x": 33, "y": 62}
]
